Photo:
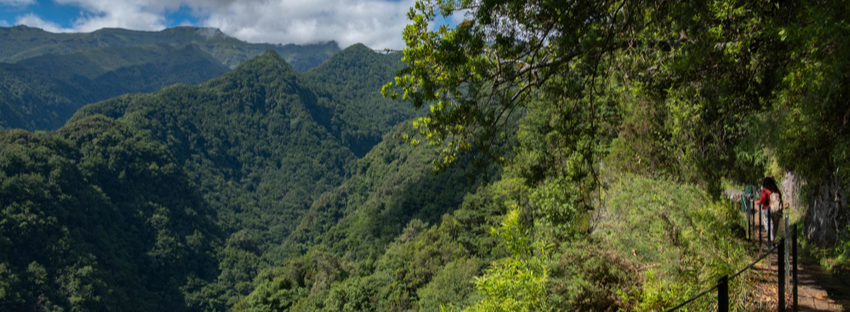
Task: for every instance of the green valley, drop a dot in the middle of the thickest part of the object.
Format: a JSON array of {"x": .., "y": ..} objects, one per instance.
[
  {"x": 262, "y": 145},
  {"x": 536, "y": 156}
]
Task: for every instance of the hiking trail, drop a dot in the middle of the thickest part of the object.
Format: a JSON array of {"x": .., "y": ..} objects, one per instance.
[{"x": 817, "y": 290}]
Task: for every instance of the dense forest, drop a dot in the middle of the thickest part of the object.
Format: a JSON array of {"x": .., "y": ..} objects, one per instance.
[
  {"x": 98, "y": 216},
  {"x": 262, "y": 145},
  {"x": 542, "y": 156},
  {"x": 255, "y": 146}
]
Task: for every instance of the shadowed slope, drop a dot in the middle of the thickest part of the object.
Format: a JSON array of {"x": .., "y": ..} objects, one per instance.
[{"x": 41, "y": 93}]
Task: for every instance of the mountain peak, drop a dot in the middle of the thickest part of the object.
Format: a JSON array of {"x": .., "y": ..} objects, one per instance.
[
  {"x": 269, "y": 55},
  {"x": 357, "y": 56},
  {"x": 362, "y": 50},
  {"x": 358, "y": 46},
  {"x": 270, "y": 60}
]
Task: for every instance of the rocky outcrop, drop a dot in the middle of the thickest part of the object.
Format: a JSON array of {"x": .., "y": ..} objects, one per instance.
[
  {"x": 827, "y": 215},
  {"x": 792, "y": 190}
]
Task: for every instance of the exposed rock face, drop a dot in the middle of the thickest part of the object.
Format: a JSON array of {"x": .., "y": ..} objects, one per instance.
[
  {"x": 733, "y": 195},
  {"x": 792, "y": 190},
  {"x": 827, "y": 215}
]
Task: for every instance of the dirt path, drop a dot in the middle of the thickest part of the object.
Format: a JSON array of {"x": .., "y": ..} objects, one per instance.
[{"x": 818, "y": 290}]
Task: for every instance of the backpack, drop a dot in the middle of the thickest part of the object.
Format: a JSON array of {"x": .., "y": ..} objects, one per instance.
[{"x": 775, "y": 202}]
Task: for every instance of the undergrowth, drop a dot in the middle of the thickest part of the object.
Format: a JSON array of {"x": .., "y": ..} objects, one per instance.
[{"x": 680, "y": 241}]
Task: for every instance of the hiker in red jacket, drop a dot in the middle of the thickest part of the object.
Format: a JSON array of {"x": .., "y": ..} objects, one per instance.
[{"x": 770, "y": 224}]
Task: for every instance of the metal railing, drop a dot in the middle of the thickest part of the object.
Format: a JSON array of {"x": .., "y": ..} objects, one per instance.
[{"x": 783, "y": 263}]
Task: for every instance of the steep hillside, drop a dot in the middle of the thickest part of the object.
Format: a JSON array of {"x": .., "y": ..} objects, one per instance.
[
  {"x": 30, "y": 101},
  {"x": 395, "y": 237},
  {"x": 392, "y": 185},
  {"x": 21, "y": 42},
  {"x": 99, "y": 217},
  {"x": 348, "y": 85},
  {"x": 41, "y": 93},
  {"x": 129, "y": 65},
  {"x": 247, "y": 138},
  {"x": 607, "y": 139},
  {"x": 262, "y": 146}
]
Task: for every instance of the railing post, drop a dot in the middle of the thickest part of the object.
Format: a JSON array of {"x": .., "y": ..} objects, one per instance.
[
  {"x": 750, "y": 221},
  {"x": 770, "y": 229},
  {"x": 781, "y": 268},
  {"x": 794, "y": 266},
  {"x": 753, "y": 217},
  {"x": 723, "y": 294},
  {"x": 761, "y": 225},
  {"x": 787, "y": 253},
  {"x": 749, "y": 202},
  {"x": 746, "y": 213}
]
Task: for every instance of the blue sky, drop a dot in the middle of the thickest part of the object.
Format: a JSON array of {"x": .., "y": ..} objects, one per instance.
[
  {"x": 64, "y": 15},
  {"x": 48, "y": 10},
  {"x": 376, "y": 23}
]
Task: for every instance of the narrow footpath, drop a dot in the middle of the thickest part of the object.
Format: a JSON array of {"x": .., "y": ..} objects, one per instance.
[{"x": 818, "y": 290}]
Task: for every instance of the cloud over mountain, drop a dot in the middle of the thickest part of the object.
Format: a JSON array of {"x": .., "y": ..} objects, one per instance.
[{"x": 376, "y": 23}]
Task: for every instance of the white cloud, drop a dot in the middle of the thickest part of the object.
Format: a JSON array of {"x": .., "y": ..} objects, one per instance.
[
  {"x": 130, "y": 14},
  {"x": 376, "y": 23},
  {"x": 33, "y": 20},
  {"x": 16, "y": 2},
  {"x": 4, "y": 23}
]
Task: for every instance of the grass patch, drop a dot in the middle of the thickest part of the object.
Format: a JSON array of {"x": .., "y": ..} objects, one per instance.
[{"x": 681, "y": 242}]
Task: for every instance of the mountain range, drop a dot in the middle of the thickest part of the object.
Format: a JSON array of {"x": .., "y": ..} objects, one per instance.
[
  {"x": 48, "y": 76},
  {"x": 257, "y": 145},
  {"x": 22, "y": 42},
  {"x": 184, "y": 170}
]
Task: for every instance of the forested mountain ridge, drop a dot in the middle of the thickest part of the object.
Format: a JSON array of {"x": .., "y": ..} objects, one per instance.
[
  {"x": 111, "y": 63},
  {"x": 99, "y": 217},
  {"x": 633, "y": 117},
  {"x": 261, "y": 146},
  {"x": 21, "y": 42},
  {"x": 346, "y": 85},
  {"x": 386, "y": 192},
  {"x": 42, "y": 92},
  {"x": 51, "y": 75},
  {"x": 253, "y": 127},
  {"x": 395, "y": 237},
  {"x": 611, "y": 129}
]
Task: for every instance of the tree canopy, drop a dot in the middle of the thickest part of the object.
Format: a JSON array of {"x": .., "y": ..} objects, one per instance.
[
  {"x": 99, "y": 217},
  {"x": 605, "y": 129},
  {"x": 696, "y": 79}
]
